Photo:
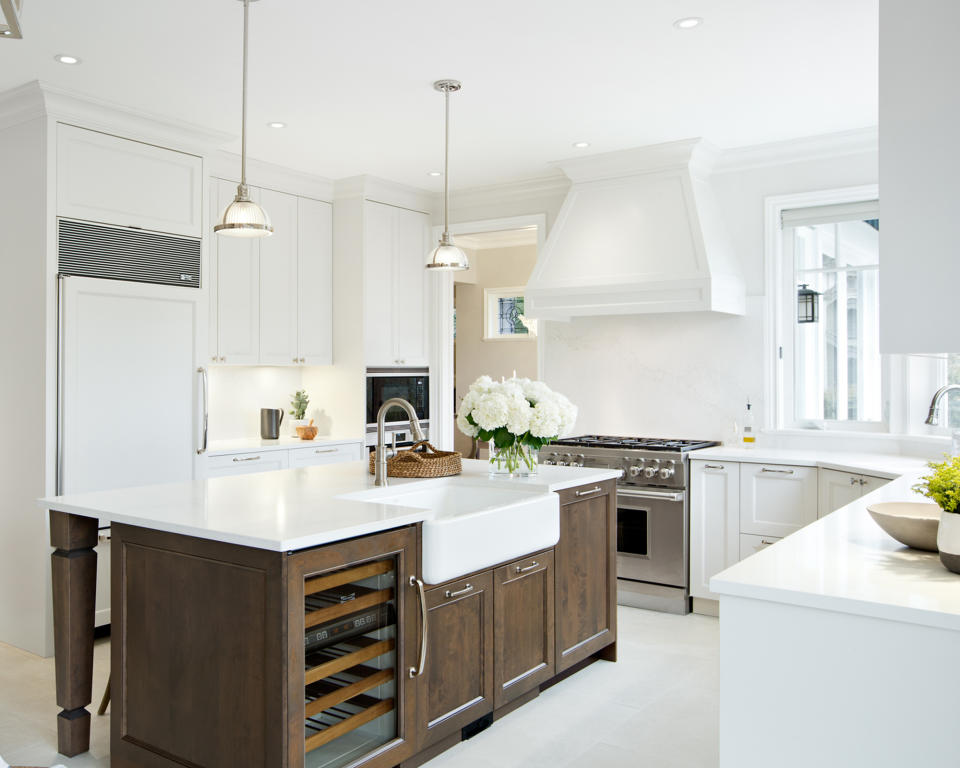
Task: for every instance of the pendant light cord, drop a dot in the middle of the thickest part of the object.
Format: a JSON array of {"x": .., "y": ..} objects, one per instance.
[
  {"x": 446, "y": 162},
  {"x": 243, "y": 123}
]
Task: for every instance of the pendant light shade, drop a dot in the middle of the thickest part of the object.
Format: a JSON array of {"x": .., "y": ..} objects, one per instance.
[
  {"x": 446, "y": 255},
  {"x": 243, "y": 217}
]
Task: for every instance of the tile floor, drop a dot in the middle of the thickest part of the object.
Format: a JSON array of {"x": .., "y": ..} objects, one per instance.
[{"x": 656, "y": 707}]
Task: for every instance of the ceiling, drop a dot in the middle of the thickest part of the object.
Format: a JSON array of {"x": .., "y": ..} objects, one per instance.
[{"x": 352, "y": 80}]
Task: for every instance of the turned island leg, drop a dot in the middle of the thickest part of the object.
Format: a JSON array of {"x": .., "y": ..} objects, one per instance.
[{"x": 74, "y": 593}]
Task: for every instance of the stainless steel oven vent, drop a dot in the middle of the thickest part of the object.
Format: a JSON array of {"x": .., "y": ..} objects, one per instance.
[{"x": 115, "y": 253}]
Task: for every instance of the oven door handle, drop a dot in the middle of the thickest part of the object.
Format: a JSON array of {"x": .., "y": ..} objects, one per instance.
[{"x": 657, "y": 495}]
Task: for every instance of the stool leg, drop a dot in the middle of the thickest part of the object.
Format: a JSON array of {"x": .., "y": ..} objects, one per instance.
[{"x": 105, "y": 700}]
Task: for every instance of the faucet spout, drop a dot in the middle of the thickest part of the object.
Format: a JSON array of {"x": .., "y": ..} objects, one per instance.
[
  {"x": 380, "y": 460},
  {"x": 933, "y": 416}
]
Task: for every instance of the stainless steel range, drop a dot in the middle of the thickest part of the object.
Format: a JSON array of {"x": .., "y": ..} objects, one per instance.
[{"x": 653, "y": 512}]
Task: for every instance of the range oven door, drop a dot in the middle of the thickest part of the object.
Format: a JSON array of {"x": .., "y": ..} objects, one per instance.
[{"x": 652, "y": 536}]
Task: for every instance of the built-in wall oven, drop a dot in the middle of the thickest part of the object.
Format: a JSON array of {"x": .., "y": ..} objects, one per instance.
[{"x": 410, "y": 384}]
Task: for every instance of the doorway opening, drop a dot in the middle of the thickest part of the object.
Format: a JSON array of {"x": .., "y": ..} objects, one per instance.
[{"x": 492, "y": 335}]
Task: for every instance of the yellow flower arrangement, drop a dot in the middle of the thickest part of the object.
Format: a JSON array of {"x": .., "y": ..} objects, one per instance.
[{"x": 943, "y": 484}]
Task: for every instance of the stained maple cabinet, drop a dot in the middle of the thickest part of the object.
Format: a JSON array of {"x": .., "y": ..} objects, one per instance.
[
  {"x": 586, "y": 574},
  {"x": 457, "y": 684},
  {"x": 523, "y": 626}
]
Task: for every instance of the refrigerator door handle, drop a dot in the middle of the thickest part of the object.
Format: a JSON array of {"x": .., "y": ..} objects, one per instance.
[{"x": 206, "y": 413}]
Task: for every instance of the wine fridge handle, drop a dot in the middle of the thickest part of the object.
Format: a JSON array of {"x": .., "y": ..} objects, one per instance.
[{"x": 422, "y": 597}]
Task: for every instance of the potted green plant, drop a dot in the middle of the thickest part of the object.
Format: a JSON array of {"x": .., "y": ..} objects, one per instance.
[
  {"x": 943, "y": 486},
  {"x": 298, "y": 409}
]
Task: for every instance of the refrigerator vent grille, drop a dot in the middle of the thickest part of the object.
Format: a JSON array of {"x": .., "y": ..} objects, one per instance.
[{"x": 136, "y": 255}]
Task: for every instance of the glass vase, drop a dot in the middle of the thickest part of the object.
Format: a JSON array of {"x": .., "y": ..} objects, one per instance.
[{"x": 516, "y": 460}]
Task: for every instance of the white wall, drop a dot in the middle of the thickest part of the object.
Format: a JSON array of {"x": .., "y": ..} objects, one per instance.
[
  {"x": 24, "y": 537},
  {"x": 685, "y": 374},
  {"x": 920, "y": 166}
]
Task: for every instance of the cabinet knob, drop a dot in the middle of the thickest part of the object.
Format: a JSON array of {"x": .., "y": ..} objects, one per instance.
[
  {"x": 296, "y": 360},
  {"x": 213, "y": 359},
  {"x": 223, "y": 359},
  {"x": 303, "y": 359}
]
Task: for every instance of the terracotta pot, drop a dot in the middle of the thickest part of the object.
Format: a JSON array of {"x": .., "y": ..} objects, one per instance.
[{"x": 948, "y": 540}]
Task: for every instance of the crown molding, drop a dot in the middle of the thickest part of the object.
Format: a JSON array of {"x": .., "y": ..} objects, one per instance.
[
  {"x": 695, "y": 154},
  {"x": 802, "y": 150},
  {"x": 39, "y": 99},
  {"x": 226, "y": 165},
  {"x": 385, "y": 191},
  {"x": 555, "y": 183},
  {"x": 512, "y": 238}
]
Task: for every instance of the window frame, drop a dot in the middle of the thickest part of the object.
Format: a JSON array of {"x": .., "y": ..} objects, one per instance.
[
  {"x": 491, "y": 325},
  {"x": 780, "y": 317}
]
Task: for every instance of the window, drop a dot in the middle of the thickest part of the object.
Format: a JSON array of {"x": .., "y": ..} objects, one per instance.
[{"x": 503, "y": 315}]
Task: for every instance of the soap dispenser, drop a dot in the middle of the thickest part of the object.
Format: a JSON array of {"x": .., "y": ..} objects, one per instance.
[{"x": 748, "y": 436}]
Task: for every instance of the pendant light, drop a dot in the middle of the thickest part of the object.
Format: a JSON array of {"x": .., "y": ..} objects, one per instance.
[
  {"x": 243, "y": 217},
  {"x": 446, "y": 255}
]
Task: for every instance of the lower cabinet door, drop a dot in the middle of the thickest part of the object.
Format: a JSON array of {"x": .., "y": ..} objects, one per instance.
[
  {"x": 325, "y": 454},
  {"x": 457, "y": 683},
  {"x": 523, "y": 626},
  {"x": 750, "y": 545}
]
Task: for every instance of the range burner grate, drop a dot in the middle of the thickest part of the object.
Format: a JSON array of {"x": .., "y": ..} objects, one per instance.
[{"x": 635, "y": 443}]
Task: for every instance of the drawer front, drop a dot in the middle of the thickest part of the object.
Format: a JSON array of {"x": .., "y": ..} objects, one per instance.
[
  {"x": 750, "y": 545},
  {"x": 246, "y": 463},
  {"x": 776, "y": 499},
  {"x": 325, "y": 454}
]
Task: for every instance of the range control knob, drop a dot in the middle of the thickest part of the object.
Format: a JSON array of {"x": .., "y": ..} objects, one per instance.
[
  {"x": 668, "y": 471},
  {"x": 651, "y": 471},
  {"x": 634, "y": 471},
  {"x": 577, "y": 460}
]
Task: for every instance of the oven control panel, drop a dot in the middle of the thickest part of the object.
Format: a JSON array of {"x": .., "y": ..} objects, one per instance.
[{"x": 638, "y": 468}]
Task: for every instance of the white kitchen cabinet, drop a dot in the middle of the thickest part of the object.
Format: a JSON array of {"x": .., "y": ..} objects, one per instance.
[
  {"x": 775, "y": 499},
  {"x": 315, "y": 283},
  {"x": 714, "y": 522},
  {"x": 271, "y": 297},
  {"x": 325, "y": 454},
  {"x": 235, "y": 288},
  {"x": 837, "y": 489},
  {"x": 395, "y": 247},
  {"x": 111, "y": 180},
  {"x": 246, "y": 463},
  {"x": 278, "y": 281},
  {"x": 101, "y": 605},
  {"x": 750, "y": 545}
]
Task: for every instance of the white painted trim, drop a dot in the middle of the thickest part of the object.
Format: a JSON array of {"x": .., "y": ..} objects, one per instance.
[
  {"x": 226, "y": 165},
  {"x": 440, "y": 322},
  {"x": 806, "y": 149},
  {"x": 387, "y": 192},
  {"x": 773, "y": 416}
]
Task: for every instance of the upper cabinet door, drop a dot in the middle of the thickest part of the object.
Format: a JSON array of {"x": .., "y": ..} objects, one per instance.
[
  {"x": 117, "y": 181},
  {"x": 278, "y": 281},
  {"x": 409, "y": 285},
  {"x": 379, "y": 236},
  {"x": 237, "y": 288},
  {"x": 315, "y": 285}
]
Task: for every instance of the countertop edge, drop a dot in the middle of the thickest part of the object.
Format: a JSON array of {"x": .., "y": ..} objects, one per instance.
[{"x": 285, "y": 443}]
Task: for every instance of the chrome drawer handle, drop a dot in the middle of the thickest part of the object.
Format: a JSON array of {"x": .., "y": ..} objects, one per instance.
[
  {"x": 325, "y": 450},
  {"x": 248, "y": 458},
  {"x": 465, "y": 591},
  {"x": 530, "y": 567},
  {"x": 587, "y": 493},
  {"x": 766, "y": 543},
  {"x": 779, "y": 471},
  {"x": 714, "y": 466}
]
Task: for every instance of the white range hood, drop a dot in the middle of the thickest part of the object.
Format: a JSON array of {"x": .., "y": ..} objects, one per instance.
[{"x": 639, "y": 232}]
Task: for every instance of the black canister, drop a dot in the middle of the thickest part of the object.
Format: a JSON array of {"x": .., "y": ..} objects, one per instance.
[{"x": 270, "y": 421}]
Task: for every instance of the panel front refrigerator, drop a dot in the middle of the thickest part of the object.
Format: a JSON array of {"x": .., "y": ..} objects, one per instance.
[{"x": 132, "y": 394}]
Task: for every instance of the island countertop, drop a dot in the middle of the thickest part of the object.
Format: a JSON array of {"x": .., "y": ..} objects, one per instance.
[
  {"x": 844, "y": 562},
  {"x": 289, "y": 509}
]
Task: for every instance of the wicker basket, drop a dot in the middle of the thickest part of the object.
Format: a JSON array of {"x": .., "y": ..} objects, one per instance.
[{"x": 426, "y": 462}]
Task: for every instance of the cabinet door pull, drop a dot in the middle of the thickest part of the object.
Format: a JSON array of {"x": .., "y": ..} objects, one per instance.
[
  {"x": 853, "y": 481},
  {"x": 248, "y": 458},
  {"x": 778, "y": 471},
  {"x": 467, "y": 589},
  {"x": 766, "y": 543},
  {"x": 530, "y": 567},
  {"x": 421, "y": 595},
  {"x": 326, "y": 450},
  {"x": 714, "y": 466},
  {"x": 206, "y": 410},
  {"x": 862, "y": 481},
  {"x": 587, "y": 493}
]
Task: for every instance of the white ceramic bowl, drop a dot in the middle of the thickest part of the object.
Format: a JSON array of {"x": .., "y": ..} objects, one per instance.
[{"x": 913, "y": 523}]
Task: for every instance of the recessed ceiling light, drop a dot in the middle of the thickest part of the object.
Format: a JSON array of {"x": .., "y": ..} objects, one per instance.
[
  {"x": 6, "y": 32},
  {"x": 277, "y": 125},
  {"x": 581, "y": 144},
  {"x": 65, "y": 59},
  {"x": 688, "y": 23},
  {"x": 434, "y": 173}
]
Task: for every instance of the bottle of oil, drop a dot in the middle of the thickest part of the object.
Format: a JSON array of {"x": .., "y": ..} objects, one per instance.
[{"x": 748, "y": 435}]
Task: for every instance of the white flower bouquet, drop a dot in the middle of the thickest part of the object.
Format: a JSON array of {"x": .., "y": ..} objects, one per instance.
[{"x": 517, "y": 416}]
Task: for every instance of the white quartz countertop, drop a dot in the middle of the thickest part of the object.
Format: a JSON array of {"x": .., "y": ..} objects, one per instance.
[
  {"x": 845, "y": 562},
  {"x": 875, "y": 464},
  {"x": 289, "y": 509},
  {"x": 283, "y": 443}
]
